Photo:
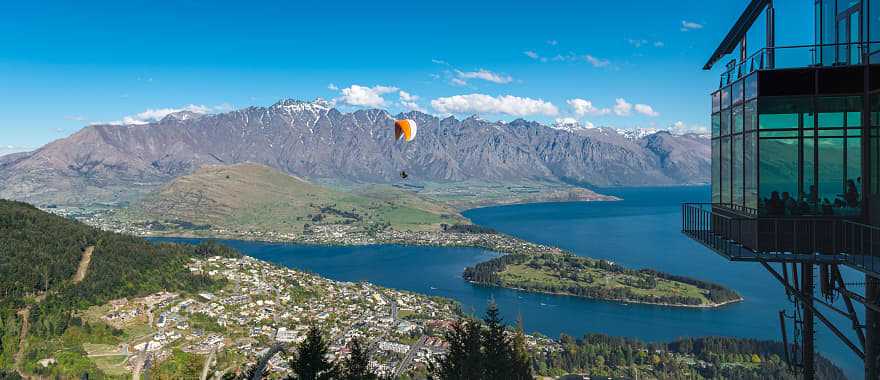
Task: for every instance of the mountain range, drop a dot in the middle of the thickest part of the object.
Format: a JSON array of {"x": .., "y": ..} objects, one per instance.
[{"x": 315, "y": 141}]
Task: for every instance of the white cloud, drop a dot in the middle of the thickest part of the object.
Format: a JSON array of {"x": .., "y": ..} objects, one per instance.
[
  {"x": 332, "y": 87},
  {"x": 596, "y": 62},
  {"x": 647, "y": 110},
  {"x": 487, "y": 104},
  {"x": 155, "y": 114},
  {"x": 679, "y": 127},
  {"x": 639, "y": 42},
  {"x": 552, "y": 42},
  {"x": 485, "y": 75},
  {"x": 690, "y": 25},
  {"x": 531, "y": 54},
  {"x": 9, "y": 149},
  {"x": 440, "y": 62},
  {"x": 582, "y": 107},
  {"x": 622, "y": 107},
  {"x": 356, "y": 95},
  {"x": 566, "y": 121},
  {"x": 410, "y": 101},
  {"x": 635, "y": 42},
  {"x": 458, "y": 82}
]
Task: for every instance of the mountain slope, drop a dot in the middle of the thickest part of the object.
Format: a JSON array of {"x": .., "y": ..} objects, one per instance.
[
  {"x": 251, "y": 197},
  {"x": 314, "y": 141}
]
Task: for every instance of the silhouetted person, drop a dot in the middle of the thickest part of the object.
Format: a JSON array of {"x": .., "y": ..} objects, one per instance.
[
  {"x": 403, "y": 175},
  {"x": 774, "y": 205},
  {"x": 788, "y": 202},
  {"x": 813, "y": 195},
  {"x": 851, "y": 196}
]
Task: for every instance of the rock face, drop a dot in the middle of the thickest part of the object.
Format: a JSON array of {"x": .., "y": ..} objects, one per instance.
[{"x": 315, "y": 141}]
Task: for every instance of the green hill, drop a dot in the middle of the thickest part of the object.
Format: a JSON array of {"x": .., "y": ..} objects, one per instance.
[
  {"x": 251, "y": 197},
  {"x": 40, "y": 254}
]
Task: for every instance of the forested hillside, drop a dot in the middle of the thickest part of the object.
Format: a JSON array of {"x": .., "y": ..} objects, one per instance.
[{"x": 39, "y": 254}]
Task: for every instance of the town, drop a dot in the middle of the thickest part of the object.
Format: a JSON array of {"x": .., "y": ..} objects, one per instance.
[{"x": 263, "y": 306}]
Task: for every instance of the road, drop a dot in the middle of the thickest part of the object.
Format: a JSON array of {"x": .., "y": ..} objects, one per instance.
[
  {"x": 409, "y": 356},
  {"x": 207, "y": 366},
  {"x": 83, "y": 267},
  {"x": 393, "y": 303},
  {"x": 25, "y": 315}
]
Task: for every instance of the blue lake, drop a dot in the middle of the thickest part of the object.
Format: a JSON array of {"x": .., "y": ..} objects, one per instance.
[{"x": 642, "y": 231}]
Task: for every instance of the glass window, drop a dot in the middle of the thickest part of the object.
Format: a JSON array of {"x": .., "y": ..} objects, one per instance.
[
  {"x": 854, "y": 167},
  {"x": 716, "y": 124},
  {"x": 778, "y": 170},
  {"x": 737, "y": 92},
  {"x": 737, "y": 168},
  {"x": 751, "y": 86},
  {"x": 750, "y": 117},
  {"x": 725, "y": 170},
  {"x": 809, "y": 191},
  {"x": 737, "y": 112},
  {"x": 716, "y": 171},
  {"x": 831, "y": 174},
  {"x": 782, "y": 112},
  {"x": 725, "y": 97},
  {"x": 725, "y": 122},
  {"x": 716, "y": 101},
  {"x": 873, "y": 16},
  {"x": 750, "y": 181},
  {"x": 839, "y": 111}
]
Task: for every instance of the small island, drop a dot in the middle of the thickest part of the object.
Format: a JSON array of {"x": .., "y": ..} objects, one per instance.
[{"x": 597, "y": 279}]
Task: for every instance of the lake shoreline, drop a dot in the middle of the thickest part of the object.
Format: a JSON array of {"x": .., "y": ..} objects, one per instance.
[
  {"x": 501, "y": 244},
  {"x": 612, "y": 300}
]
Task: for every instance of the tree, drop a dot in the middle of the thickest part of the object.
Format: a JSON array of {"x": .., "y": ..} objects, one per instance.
[
  {"x": 463, "y": 360},
  {"x": 497, "y": 353},
  {"x": 357, "y": 365},
  {"x": 521, "y": 366},
  {"x": 310, "y": 362}
]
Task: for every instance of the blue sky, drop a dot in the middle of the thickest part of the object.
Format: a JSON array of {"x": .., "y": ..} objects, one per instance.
[{"x": 64, "y": 65}]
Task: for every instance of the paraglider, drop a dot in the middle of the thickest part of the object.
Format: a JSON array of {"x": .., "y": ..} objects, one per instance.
[{"x": 405, "y": 131}]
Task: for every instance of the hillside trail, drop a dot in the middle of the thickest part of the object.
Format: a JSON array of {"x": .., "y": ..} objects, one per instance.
[
  {"x": 25, "y": 312},
  {"x": 83, "y": 267}
]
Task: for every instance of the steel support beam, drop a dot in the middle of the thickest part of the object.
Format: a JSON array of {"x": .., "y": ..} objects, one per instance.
[
  {"x": 872, "y": 328},
  {"x": 816, "y": 313}
]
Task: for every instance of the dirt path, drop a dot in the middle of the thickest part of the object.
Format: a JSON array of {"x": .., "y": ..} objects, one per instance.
[
  {"x": 25, "y": 315},
  {"x": 83, "y": 268}
]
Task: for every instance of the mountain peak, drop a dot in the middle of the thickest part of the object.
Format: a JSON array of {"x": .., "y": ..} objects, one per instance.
[
  {"x": 294, "y": 105},
  {"x": 181, "y": 116}
]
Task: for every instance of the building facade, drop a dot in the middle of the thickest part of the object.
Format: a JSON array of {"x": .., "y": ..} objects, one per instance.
[{"x": 796, "y": 167}]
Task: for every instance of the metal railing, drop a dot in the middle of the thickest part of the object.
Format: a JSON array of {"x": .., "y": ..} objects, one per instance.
[
  {"x": 862, "y": 245},
  {"x": 739, "y": 237},
  {"x": 787, "y": 57}
]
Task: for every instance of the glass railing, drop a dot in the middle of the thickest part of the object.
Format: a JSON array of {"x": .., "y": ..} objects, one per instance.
[{"x": 788, "y": 57}]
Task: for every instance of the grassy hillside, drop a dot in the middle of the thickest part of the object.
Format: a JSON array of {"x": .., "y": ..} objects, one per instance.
[
  {"x": 40, "y": 254},
  {"x": 255, "y": 197}
]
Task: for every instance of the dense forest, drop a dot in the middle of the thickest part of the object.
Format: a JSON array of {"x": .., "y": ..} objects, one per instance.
[
  {"x": 570, "y": 266},
  {"x": 40, "y": 253},
  {"x": 690, "y": 358}
]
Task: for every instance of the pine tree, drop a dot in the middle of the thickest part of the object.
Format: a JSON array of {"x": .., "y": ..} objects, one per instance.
[
  {"x": 357, "y": 366},
  {"x": 497, "y": 353},
  {"x": 311, "y": 362},
  {"x": 463, "y": 360},
  {"x": 521, "y": 363}
]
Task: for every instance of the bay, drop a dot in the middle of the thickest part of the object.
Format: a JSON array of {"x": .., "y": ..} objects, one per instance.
[{"x": 642, "y": 231}]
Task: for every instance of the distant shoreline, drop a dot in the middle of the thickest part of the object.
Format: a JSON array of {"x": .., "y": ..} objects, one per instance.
[{"x": 615, "y": 300}]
